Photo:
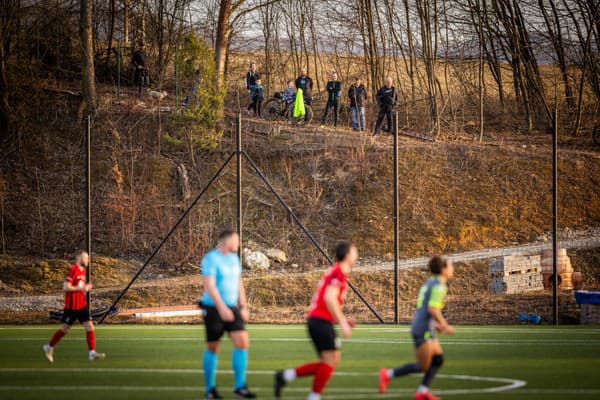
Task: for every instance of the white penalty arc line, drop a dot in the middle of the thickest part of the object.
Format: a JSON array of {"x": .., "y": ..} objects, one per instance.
[{"x": 508, "y": 384}]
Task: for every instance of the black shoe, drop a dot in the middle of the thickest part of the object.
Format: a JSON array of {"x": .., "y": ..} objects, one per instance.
[
  {"x": 279, "y": 384},
  {"x": 244, "y": 393},
  {"x": 212, "y": 394}
]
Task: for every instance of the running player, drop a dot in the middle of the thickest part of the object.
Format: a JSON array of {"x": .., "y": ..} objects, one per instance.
[
  {"x": 225, "y": 310},
  {"x": 427, "y": 320},
  {"x": 76, "y": 308},
  {"x": 326, "y": 309}
]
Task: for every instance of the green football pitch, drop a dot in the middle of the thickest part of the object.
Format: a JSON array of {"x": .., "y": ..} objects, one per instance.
[{"x": 164, "y": 362}]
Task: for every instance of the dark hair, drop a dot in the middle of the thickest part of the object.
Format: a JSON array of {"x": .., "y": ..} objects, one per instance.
[
  {"x": 342, "y": 249},
  {"x": 437, "y": 264},
  {"x": 141, "y": 44},
  {"x": 225, "y": 234},
  {"x": 357, "y": 78}
]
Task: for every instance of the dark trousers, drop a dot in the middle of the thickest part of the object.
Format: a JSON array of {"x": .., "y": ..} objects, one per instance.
[
  {"x": 384, "y": 112},
  {"x": 335, "y": 105},
  {"x": 256, "y": 106}
]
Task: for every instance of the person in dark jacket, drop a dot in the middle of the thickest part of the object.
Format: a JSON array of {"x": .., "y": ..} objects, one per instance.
[
  {"x": 305, "y": 83},
  {"x": 257, "y": 93},
  {"x": 358, "y": 100},
  {"x": 251, "y": 77},
  {"x": 387, "y": 97},
  {"x": 139, "y": 60},
  {"x": 334, "y": 93}
]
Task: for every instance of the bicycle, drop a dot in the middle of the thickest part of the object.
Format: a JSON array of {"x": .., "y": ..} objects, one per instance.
[{"x": 278, "y": 108}]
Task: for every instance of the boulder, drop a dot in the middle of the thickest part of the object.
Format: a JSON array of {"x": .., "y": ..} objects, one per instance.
[
  {"x": 255, "y": 260},
  {"x": 276, "y": 255}
]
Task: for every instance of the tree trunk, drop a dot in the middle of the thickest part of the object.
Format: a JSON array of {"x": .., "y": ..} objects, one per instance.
[
  {"x": 222, "y": 41},
  {"x": 88, "y": 79},
  {"x": 126, "y": 23}
]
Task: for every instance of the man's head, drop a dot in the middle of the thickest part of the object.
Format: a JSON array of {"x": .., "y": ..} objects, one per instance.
[
  {"x": 82, "y": 258},
  {"x": 388, "y": 82},
  {"x": 142, "y": 45},
  {"x": 441, "y": 266},
  {"x": 334, "y": 75},
  {"x": 302, "y": 71},
  {"x": 259, "y": 81},
  {"x": 253, "y": 67},
  {"x": 291, "y": 84},
  {"x": 346, "y": 252},
  {"x": 357, "y": 81},
  {"x": 228, "y": 241}
]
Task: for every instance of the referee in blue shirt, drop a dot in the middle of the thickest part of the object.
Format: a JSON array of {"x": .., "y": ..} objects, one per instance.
[{"x": 225, "y": 310}]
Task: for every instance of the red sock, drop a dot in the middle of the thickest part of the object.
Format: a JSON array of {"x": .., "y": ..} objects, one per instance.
[
  {"x": 307, "y": 369},
  {"x": 91, "y": 340},
  {"x": 322, "y": 376},
  {"x": 56, "y": 337}
]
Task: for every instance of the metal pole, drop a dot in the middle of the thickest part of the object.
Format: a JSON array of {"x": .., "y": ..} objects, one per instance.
[
  {"x": 119, "y": 70},
  {"x": 555, "y": 218},
  {"x": 88, "y": 202},
  {"x": 179, "y": 221},
  {"x": 240, "y": 222},
  {"x": 176, "y": 78},
  {"x": 396, "y": 222},
  {"x": 306, "y": 231}
]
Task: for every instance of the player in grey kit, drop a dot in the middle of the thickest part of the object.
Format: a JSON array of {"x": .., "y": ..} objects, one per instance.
[{"x": 427, "y": 320}]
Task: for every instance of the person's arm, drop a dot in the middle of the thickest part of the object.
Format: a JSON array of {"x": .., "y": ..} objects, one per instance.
[
  {"x": 69, "y": 287},
  {"x": 211, "y": 288},
  {"x": 243, "y": 303},
  {"x": 248, "y": 81},
  {"x": 434, "y": 307},
  {"x": 332, "y": 294}
]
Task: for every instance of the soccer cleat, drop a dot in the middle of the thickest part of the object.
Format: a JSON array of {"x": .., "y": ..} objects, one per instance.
[
  {"x": 244, "y": 393},
  {"x": 96, "y": 356},
  {"x": 384, "y": 380},
  {"x": 426, "y": 396},
  {"x": 49, "y": 352},
  {"x": 279, "y": 384},
  {"x": 212, "y": 394}
]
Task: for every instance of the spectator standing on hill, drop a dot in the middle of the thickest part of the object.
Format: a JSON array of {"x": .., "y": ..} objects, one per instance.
[
  {"x": 257, "y": 93},
  {"x": 305, "y": 83},
  {"x": 334, "y": 92},
  {"x": 358, "y": 100},
  {"x": 251, "y": 77},
  {"x": 387, "y": 97},
  {"x": 289, "y": 94},
  {"x": 139, "y": 61}
]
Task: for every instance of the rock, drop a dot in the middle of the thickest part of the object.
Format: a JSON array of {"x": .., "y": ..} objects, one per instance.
[
  {"x": 255, "y": 260},
  {"x": 276, "y": 255}
]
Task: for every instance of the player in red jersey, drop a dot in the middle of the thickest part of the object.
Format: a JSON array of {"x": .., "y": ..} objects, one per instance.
[
  {"x": 325, "y": 311},
  {"x": 75, "y": 287}
]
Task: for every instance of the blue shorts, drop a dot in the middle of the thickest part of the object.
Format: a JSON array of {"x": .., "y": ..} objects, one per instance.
[{"x": 422, "y": 337}]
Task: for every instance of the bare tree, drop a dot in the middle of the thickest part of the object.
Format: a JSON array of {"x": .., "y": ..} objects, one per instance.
[{"x": 88, "y": 77}]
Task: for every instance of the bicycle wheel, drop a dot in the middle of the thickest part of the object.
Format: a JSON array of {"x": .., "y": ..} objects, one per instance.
[
  {"x": 596, "y": 135},
  {"x": 273, "y": 109},
  {"x": 301, "y": 121}
]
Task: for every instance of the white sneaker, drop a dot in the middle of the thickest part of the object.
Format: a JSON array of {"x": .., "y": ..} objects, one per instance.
[
  {"x": 49, "y": 351},
  {"x": 96, "y": 356}
]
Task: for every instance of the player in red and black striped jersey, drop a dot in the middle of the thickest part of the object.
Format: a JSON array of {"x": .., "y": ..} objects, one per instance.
[
  {"x": 75, "y": 287},
  {"x": 325, "y": 311}
]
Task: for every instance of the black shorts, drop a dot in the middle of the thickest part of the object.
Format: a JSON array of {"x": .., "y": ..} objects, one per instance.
[
  {"x": 423, "y": 337},
  {"x": 70, "y": 316},
  {"x": 216, "y": 327},
  {"x": 323, "y": 335}
]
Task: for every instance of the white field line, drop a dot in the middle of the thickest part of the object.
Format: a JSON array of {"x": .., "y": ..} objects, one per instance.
[
  {"x": 464, "y": 342},
  {"x": 507, "y": 384},
  {"x": 302, "y": 327}
]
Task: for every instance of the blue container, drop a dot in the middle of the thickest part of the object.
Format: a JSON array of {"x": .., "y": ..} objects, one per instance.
[{"x": 585, "y": 297}]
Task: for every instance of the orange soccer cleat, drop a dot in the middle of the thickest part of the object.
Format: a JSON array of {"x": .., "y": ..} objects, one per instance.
[
  {"x": 426, "y": 396},
  {"x": 384, "y": 380}
]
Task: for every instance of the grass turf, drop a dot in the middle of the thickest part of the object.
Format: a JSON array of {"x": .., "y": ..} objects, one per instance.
[{"x": 164, "y": 362}]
